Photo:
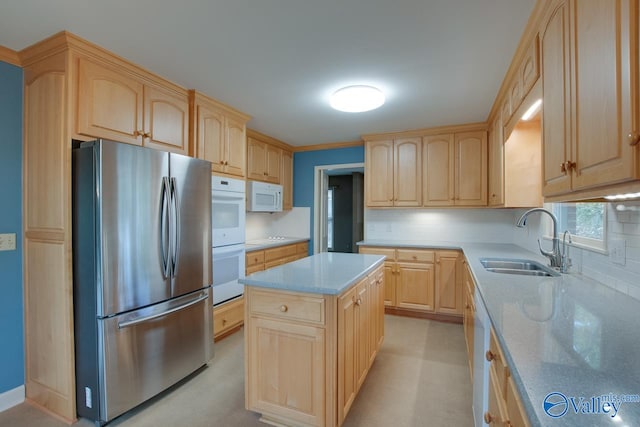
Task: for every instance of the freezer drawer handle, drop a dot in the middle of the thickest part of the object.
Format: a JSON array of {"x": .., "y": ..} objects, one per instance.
[{"x": 143, "y": 319}]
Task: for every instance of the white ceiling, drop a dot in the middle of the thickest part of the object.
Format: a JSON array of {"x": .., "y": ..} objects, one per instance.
[{"x": 439, "y": 62}]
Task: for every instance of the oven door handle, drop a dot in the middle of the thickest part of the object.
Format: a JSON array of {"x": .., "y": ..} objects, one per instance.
[{"x": 143, "y": 319}]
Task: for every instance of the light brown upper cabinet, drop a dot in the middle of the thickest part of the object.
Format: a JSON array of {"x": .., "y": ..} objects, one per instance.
[
  {"x": 590, "y": 125},
  {"x": 396, "y": 176},
  {"x": 263, "y": 162},
  {"x": 438, "y": 156},
  {"x": 496, "y": 163},
  {"x": 286, "y": 179},
  {"x": 114, "y": 104},
  {"x": 219, "y": 135},
  {"x": 455, "y": 169},
  {"x": 471, "y": 168}
]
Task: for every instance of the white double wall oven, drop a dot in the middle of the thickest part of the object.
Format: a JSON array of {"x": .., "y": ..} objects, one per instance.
[{"x": 228, "y": 212}]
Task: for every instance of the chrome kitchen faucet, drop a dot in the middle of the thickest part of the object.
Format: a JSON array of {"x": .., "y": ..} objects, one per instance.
[{"x": 555, "y": 257}]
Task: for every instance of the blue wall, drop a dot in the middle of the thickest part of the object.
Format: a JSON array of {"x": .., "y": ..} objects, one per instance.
[
  {"x": 304, "y": 163},
  {"x": 11, "y": 306}
]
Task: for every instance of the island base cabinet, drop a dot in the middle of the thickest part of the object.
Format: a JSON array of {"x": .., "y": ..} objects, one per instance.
[
  {"x": 307, "y": 355},
  {"x": 289, "y": 380}
]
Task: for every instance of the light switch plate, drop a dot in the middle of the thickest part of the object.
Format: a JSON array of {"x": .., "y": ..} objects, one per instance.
[
  {"x": 8, "y": 242},
  {"x": 618, "y": 251}
]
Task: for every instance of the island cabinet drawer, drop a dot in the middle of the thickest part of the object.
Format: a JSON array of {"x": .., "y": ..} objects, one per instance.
[
  {"x": 279, "y": 252},
  {"x": 254, "y": 258},
  {"x": 415, "y": 255},
  {"x": 287, "y": 306},
  {"x": 498, "y": 364}
]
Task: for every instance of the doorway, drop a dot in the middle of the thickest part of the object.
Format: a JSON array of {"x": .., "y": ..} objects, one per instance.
[{"x": 339, "y": 207}]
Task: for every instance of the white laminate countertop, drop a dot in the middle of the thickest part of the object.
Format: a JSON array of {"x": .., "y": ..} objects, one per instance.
[
  {"x": 566, "y": 334},
  {"x": 266, "y": 243},
  {"x": 325, "y": 273}
]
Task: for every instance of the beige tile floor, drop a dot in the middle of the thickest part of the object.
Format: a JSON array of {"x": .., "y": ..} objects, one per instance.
[{"x": 419, "y": 378}]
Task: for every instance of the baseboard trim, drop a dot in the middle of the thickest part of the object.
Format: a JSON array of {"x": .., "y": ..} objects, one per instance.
[
  {"x": 407, "y": 312},
  {"x": 11, "y": 398}
]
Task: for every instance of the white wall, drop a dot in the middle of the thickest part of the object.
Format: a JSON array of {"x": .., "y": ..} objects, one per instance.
[
  {"x": 621, "y": 225},
  {"x": 293, "y": 223},
  {"x": 458, "y": 225}
]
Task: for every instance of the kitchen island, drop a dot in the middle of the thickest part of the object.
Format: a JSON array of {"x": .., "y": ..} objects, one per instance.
[{"x": 313, "y": 328}]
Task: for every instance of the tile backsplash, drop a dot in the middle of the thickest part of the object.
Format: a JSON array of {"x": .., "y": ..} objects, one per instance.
[
  {"x": 293, "y": 223},
  {"x": 456, "y": 225},
  {"x": 623, "y": 228}
]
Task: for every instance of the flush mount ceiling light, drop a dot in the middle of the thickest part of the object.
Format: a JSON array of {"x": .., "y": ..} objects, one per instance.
[{"x": 357, "y": 99}]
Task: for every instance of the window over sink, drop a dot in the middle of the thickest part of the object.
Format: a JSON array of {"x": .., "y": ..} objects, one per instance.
[{"x": 587, "y": 223}]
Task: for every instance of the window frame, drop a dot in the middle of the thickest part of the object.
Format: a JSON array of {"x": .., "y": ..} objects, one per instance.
[{"x": 587, "y": 243}]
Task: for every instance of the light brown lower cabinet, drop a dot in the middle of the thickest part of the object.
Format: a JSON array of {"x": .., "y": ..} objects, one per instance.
[
  {"x": 505, "y": 406},
  {"x": 307, "y": 355},
  {"x": 263, "y": 259},
  {"x": 422, "y": 280},
  {"x": 469, "y": 313},
  {"x": 227, "y": 317}
]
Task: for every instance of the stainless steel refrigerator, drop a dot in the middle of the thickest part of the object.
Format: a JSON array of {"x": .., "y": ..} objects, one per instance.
[{"x": 142, "y": 273}]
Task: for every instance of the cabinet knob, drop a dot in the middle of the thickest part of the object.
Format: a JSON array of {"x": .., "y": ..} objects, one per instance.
[
  {"x": 137, "y": 133},
  {"x": 359, "y": 301},
  {"x": 563, "y": 167},
  {"x": 147, "y": 135},
  {"x": 222, "y": 162},
  {"x": 488, "y": 417},
  {"x": 415, "y": 257},
  {"x": 634, "y": 138},
  {"x": 224, "y": 322},
  {"x": 284, "y": 308},
  {"x": 226, "y": 162},
  {"x": 489, "y": 356}
]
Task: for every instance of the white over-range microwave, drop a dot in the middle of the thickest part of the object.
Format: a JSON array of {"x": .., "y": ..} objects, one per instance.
[{"x": 263, "y": 197}]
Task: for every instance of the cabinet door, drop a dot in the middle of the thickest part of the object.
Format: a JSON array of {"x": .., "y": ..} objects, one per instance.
[
  {"x": 448, "y": 282},
  {"x": 166, "y": 120},
  {"x": 362, "y": 331},
  {"x": 471, "y": 168},
  {"x": 210, "y": 137},
  {"x": 286, "y": 179},
  {"x": 415, "y": 287},
  {"x": 438, "y": 170},
  {"x": 256, "y": 159},
  {"x": 379, "y": 173},
  {"x": 109, "y": 104},
  {"x": 347, "y": 349},
  {"x": 468, "y": 326},
  {"x": 273, "y": 162},
  {"x": 407, "y": 178},
  {"x": 235, "y": 147},
  {"x": 496, "y": 164},
  {"x": 601, "y": 99},
  {"x": 556, "y": 126},
  {"x": 389, "y": 296},
  {"x": 287, "y": 360}
]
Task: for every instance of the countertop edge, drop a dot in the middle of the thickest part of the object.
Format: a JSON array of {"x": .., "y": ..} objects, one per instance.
[{"x": 249, "y": 247}]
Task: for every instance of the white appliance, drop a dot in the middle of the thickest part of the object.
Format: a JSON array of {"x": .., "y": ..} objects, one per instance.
[
  {"x": 263, "y": 197},
  {"x": 227, "y": 211},
  {"x": 228, "y": 237},
  {"x": 482, "y": 328}
]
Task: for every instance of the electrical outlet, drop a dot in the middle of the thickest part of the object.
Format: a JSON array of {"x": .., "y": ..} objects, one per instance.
[
  {"x": 8, "y": 242},
  {"x": 618, "y": 251}
]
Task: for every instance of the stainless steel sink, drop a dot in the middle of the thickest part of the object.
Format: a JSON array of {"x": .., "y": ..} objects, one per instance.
[{"x": 522, "y": 267}]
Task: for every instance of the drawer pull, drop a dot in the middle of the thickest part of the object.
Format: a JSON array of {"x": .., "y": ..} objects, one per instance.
[
  {"x": 358, "y": 301},
  {"x": 488, "y": 417},
  {"x": 224, "y": 322},
  {"x": 489, "y": 356},
  {"x": 634, "y": 138},
  {"x": 284, "y": 308}
]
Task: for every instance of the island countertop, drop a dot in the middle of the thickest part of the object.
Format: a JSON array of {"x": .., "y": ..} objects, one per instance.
[{"x": 329, "y": 273}]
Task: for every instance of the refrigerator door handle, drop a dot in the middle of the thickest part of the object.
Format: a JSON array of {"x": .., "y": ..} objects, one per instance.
[
  {"x": 203, "y": 296},
  {"x": 164, "y": 224},
  {"x": 176, "y": 227}
]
